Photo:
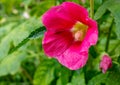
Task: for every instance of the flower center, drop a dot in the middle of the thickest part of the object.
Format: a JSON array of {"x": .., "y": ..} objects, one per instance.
[{"x": 79, "y": 31}]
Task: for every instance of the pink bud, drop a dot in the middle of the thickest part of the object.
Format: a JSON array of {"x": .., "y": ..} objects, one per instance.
[{"x": 105, "y": 63}]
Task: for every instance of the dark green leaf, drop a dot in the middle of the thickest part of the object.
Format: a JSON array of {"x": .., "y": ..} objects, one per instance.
[{"x": 37, "y": 33}]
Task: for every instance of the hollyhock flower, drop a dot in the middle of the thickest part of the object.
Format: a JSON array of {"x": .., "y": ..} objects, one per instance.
[
  {"x": 105, "y": 63},
  {"x": 70, "y": 33}
]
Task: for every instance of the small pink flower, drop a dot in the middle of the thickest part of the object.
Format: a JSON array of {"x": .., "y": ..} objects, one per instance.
[
  {"x": 70, "y": 33},
  {"x": 105, "y": 63}
]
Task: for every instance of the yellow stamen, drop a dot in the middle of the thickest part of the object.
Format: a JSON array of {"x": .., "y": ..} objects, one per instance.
[{"x": 79, "y": 31}]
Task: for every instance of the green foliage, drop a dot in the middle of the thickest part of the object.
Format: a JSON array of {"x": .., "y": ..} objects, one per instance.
[
  {"x": 78, "y": 78},
  {"x": 110, "y": 78},
  {"x": 8, "y": 66},
  {"x": 113, "y": 7},
  {"x": 44, "y": 73},
  {"x": 64, "y": 76},
  {"x": 98, "y": 80},
  {"x": 11, "y": 41},
  {"x": 17, "y": 35},
  {"x": 41, "y": 7}
]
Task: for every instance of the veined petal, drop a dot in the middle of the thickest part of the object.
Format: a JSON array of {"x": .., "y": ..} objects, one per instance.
[
  {"x": 57, "y": 19},
  {"x": 55, "y": 43},
  {"x": 73, "y": 58},
  {"x": 76, "y": 11}
]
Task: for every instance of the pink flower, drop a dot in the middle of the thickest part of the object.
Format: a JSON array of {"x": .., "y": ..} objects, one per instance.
[
  {"x": 105, "y": 63},
  {"x": 70, "y": 33}
]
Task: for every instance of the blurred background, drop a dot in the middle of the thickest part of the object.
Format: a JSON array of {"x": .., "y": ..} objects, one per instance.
[{"x": 22, "y": 60}]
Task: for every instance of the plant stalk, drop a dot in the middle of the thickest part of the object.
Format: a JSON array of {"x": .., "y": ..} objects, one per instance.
[
  {"x": 92, "y": 8},
  {"x": 108, "y": 38}
]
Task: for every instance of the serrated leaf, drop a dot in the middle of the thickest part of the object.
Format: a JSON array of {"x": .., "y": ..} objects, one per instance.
[{"x": 44, "y": 73}]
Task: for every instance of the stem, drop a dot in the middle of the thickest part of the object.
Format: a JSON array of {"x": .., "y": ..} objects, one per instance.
[
  {"x": 108, "y": 38},
  {"x": 91, "y": 8}
]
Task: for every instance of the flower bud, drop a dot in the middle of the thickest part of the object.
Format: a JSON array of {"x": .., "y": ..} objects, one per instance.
[{"x": 105, "y": 63}]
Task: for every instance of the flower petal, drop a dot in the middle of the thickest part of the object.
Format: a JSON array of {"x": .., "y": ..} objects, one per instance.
[
  {"x": 73, "y": 58},
  {"x": 57, "y": 19},
  {"x": 76, "y": 11},
  {"x": 56, "y": 43},
  {"x": 91, "y": 36}
]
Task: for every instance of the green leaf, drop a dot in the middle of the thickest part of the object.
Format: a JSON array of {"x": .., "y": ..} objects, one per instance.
[
  {"x": 113, "y": 7},
  {"x": 64, "y": 76},
  {"x": 10, "y": 60},
  {"x": 113, "y": 78},
  {"x": 78, "y": 78},
  {"x": 34, "y": 35},
  {"x": 115, "y": 10},
  {"x": 110, "y": 78},
  {"x": 37, "y": 33},
  {"x": 44, "y": 73},
  {"x": 97, "y": 3},
  {"x": 17, "y": 35},
  {"x": 98, "y": 80},
  {"x": 5, "y": 29},
  {"x": 11, "y": 63},
  {"x": 101, "y": 10}
]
